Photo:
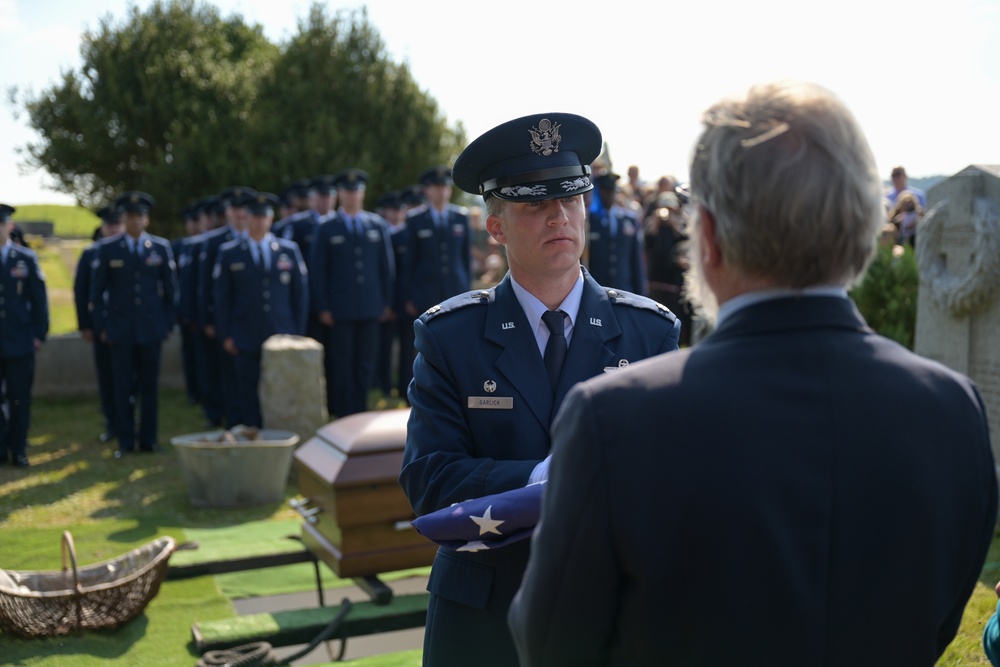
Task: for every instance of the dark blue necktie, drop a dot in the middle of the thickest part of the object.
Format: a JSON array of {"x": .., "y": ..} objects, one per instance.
[{"x": 555, "y": 349}]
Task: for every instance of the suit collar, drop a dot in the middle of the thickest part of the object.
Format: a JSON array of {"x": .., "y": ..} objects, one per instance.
[{"x": 792, "y": 313}]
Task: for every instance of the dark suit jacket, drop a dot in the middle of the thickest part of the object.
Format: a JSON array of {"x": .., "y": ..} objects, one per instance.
[
  {"x": 438, "y": 260},
  {"x": 212, "y": 240},
  {"x": 139, "y": 291},
  {"x": 24, "y": 305},
  {"x": 795, "y": 490},
  {"x": 253, "y": 304},
  {"x": 479, "y": 347}
]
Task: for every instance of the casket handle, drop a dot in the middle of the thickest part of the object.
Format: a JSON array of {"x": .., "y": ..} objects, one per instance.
[{"x": 300, "y": 505}]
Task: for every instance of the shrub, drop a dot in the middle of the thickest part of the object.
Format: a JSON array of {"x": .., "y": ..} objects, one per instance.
[{"x": 887, "y": 297}]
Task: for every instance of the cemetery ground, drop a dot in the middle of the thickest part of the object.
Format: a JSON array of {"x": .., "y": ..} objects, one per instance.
[{"x": 111, "y": 506}]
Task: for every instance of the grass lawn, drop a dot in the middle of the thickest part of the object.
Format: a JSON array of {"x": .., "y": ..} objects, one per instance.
[{"x": 69, "y": 221}]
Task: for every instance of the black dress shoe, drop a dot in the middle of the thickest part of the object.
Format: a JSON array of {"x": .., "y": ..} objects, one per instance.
[
  {"x": 106, "y": 436},
  {"x": 150, "y": 449},
  {"x": 119, "y": 453},
  {"x": 21, "y": 461}
]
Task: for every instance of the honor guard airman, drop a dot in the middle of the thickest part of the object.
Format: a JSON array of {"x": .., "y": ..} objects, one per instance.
[
  {"x": 222, "y": 394},
  {"x": 351, "y": 280},
  {"x": 439, "y": 245},
  {"x": 24, "y": 324},
  {"x": 260, "y": 291},
  {"x": 614, "y": 239},
  {"x": 110, "y": 226},
  {"x": 493, "y": 366},
  {"x": 135, "y": 273}
]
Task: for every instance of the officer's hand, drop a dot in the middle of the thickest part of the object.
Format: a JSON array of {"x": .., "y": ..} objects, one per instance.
[
  {"x": 87, "y": 335},
  {"x": 210, "y": 331},
  {"x": 326, "y": 318},
  {"x": 411, "y": 310},
  {"x": 386, "y": 314},
  {"x": 104, "y": 336},
  {"x": 229, "y": 345},
  {"x": 38, "y": 345}
]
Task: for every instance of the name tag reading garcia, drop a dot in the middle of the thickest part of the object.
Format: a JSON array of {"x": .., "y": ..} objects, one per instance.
[{"x": 491, "y": 402}]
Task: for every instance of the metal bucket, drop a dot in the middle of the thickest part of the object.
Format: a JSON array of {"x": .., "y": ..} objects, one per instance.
[{"x": 235, "y": 474}]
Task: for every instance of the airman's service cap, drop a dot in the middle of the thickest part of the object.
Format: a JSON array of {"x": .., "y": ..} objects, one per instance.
[
  {"x": 135, "y": 202},
  {"x": 542, "y": 156}
]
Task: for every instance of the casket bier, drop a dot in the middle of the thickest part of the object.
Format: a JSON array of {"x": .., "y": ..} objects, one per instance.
[{"x": 357, "y": 519}]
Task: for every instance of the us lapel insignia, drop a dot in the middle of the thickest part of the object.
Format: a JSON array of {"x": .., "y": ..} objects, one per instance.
[
  {"x": 507, "y": 325},
  {"x": 596, "y": 322}
]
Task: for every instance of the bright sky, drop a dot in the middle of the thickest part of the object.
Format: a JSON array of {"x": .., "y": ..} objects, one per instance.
[{"x": 922, "y": 76}]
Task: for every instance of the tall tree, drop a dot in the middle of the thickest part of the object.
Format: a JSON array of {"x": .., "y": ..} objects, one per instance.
[
  {"x": 161, "y": 103},
  {"x": 335, "y": 99},
  {"x": 180, "y": 102}
]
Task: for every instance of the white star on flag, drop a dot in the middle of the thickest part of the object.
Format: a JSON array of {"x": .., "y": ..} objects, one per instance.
[
  {"x": 486, "y": 522},
  {"x": 474, "y": 547}
]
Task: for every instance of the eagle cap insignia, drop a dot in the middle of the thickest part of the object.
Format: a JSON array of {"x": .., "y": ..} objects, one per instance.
[
  {"x": 134, "y": 199},
  {"x": 545, "y": 138}
]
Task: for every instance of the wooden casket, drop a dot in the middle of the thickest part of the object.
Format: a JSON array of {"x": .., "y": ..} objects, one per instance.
[{"x": 356, "y": 517}]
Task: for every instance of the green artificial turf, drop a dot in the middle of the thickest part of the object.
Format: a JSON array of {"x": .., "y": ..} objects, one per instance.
[{"x": 258, "y": 538}]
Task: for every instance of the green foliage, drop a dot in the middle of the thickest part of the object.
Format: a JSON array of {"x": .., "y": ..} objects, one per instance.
[
  {"x": 887, "y": 297},
  {"x": 180, "y": 102}
]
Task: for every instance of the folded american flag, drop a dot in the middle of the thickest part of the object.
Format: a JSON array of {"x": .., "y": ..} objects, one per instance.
[{"x": 484, "y": 523}]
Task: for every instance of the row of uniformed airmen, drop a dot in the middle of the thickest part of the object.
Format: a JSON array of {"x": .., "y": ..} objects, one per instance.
[{"x": 328, "y": 268}]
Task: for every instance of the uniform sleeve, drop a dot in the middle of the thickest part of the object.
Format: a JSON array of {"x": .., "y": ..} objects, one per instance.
[
  {"x": 440, "y": 463},
  {"x": 39, "y": 302},
  {"x": 317, "y": 267},
  {"x": 81, "y": 290},
  {"x": 204, "y": 295},
  {"x": 221, "y": 287},
  {"x": 98, "y": 285},
  {"x": 168, "y": 278},
  {"x": 564, "y": 614},
  {"x": 300, "y": 292},
  {"x": 389, "y": 264}
]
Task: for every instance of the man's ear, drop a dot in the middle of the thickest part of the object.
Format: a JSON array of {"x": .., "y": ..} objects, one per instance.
[
  {"x": 495, "y": 229},
  {"x": 711, "y": 255}
]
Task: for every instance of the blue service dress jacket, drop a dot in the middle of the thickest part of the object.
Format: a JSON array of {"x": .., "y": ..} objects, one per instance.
[
  {"x": 615, "y": 255},
  {"x": 352, "y": 270},
  {"x": 139, "y": 289},
  {"x": 254, "y": 303},
  {"x": 24, "y": 306},
  {"x": 438, "y": 256},
  {"x": 300, "y": 228},
  {"x": 481, "y": 410}
]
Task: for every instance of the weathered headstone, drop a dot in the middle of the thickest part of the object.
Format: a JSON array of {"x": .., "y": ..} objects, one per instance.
[
  {"x": 292, "y": 385},
  {"x": 958, "y": 309}
]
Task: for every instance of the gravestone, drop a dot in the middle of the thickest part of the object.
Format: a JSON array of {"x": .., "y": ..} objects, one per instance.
[
  {"x": 292, "y": 385},
  {"x": 958, "y": 308}
]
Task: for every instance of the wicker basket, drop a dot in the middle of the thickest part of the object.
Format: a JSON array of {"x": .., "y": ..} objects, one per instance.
[{"x": 104, "y": 595}]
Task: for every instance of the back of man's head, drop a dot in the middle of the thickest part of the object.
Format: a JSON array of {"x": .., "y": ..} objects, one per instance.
[{"x": 789, "y": 178}]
